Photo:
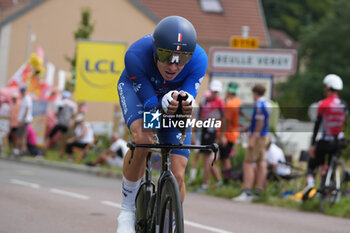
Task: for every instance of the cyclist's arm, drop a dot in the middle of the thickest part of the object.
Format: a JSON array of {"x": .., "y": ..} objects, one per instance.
[
  {"x": 316, "y": 128},
  {"x": 320, "y": 109},
  {"x": 142, "y": 85}
]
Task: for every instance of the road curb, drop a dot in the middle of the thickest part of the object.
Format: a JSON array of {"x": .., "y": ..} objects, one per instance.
[{"x": 66, "y": 166}]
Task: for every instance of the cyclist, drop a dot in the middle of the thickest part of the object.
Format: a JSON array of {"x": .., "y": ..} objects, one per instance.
[
  {"x": 158, "y": 68},
  {"x": 331, "y": 115}
]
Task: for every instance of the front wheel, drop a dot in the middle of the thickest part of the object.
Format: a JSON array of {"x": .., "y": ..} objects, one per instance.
[{"x": 171, "y": 215}]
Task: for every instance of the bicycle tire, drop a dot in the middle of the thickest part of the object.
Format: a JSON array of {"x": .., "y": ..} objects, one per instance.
[
  {"x": 150, "y": 211},
  {"x": 171, "y": 201},
  {"x": 143, "y": 197},
  {"x": 331, "y": 186}
]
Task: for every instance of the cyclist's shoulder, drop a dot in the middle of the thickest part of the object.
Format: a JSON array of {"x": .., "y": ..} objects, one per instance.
[
  {"x": 199, "y": 54},
  {"x": 197, "y": 64},
  {"x": 141, "y": 48}
]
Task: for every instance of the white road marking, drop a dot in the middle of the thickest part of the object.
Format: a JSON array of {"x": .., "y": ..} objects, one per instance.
[
  {"x": 189, "y": 223},
  {"x": 69, "y": 194},
  {"x": 207, "y": 228},
  {"x": 112, "y": 204},
  {"x": 24, "y": 183}
]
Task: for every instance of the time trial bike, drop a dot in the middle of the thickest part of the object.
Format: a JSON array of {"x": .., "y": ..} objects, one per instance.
[{"x": 159, "y": 208}]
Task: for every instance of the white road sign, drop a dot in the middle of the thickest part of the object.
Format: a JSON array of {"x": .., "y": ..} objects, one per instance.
[{"x": 272, "y": 61}]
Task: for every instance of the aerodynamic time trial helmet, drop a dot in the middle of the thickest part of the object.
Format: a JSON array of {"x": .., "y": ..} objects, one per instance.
[
  {"x": 174, "y": 40},
  {"x": 333, "y": 81}
]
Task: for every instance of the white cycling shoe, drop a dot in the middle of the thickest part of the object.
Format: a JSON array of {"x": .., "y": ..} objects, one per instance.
[{"x": 126, "y": 221}]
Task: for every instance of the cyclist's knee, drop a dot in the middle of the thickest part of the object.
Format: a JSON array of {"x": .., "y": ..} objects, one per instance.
[
  {"x": 142, "y": 137},
  {"x": 139, "y": 134},
  {"x": 178, "y": 167},
  {"x": 179, "y": 176}
]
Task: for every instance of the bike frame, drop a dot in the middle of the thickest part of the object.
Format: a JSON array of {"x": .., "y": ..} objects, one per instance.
[
  {"x": 331, "y": 169},
  {"x": 166, "y": 169}
]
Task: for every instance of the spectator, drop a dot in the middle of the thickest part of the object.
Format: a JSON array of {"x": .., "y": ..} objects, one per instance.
[
  {"x": 82, "y": 108},
  {"x": 4, "y": 108},
  {"x": 65, "y": 111},
  {"x": 113, "y": 156},
  {"x": 83, "y": 136},
  {"x": 276, "y": 161},
  {"x": 24, "y": 118},
  {"x": 31, "y": 141},
  {"x": 256, "y": 147},
  {"x": 230, "y": 130},
  {"x": 14, "y": 109},
  {"x": 195, "y": 160},
  {"x": 196, "y": 141},
  {"x": 4, "y": 114},
  {"x": 211, "y": 107}
]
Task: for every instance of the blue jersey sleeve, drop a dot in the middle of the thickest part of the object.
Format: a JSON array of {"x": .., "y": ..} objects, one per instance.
[
  {"x": 141, "y": 83},
  {"x": 197, "y": 72}
]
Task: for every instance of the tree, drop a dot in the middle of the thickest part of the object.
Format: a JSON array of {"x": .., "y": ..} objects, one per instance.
[
  {"x": 291, "y": 16},
  {"x": 84, "y": 31},
  {"x": 325, "y": 49}
]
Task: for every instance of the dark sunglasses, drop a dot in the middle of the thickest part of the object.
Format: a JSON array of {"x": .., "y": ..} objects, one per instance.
[{"x": 173, "y": 57}]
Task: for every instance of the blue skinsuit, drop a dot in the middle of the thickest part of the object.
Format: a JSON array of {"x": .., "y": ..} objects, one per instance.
[{"x": 141, "y": 86}]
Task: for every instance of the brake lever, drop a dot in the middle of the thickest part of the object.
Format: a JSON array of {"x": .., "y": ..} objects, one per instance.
[
  {"x": 215, "y": 149},
  {"x": 132, "y": 147}
]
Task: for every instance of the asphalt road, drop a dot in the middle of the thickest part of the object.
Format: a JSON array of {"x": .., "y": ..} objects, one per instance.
[{"x": 42, "y": 200}]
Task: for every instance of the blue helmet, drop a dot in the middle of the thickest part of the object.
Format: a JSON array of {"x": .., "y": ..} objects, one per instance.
[{"x": 174, "y": 34}]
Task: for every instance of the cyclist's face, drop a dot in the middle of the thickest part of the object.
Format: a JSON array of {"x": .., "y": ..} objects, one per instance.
[{"x": 168, "y": 71}]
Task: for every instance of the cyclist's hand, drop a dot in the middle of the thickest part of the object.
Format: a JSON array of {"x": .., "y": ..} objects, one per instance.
[
  {"x": 188, "y": 104},
  {"x": 170, "y": 103},
  {"x": 312, "y": 151}
]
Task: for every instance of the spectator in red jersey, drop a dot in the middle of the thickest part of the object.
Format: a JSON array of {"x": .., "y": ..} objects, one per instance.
[{"x": 211, "y": 107}]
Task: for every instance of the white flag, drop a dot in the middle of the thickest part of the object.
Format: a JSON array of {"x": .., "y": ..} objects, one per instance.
[
  {"x": 50, "y": 74},
  {"x": 61, "y": 79}
]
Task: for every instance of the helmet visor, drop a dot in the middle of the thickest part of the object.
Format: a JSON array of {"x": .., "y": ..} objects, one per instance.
[{"x": 173, "y": 57}]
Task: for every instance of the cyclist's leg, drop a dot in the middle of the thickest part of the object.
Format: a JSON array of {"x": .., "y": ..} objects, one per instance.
[
  {"x": 178, "y": 167},
  {"x": 136, "y": 169},
  {"x": 331, "y": 150},
  {"x": 316, "y": 161},
  {"x": 179, "y": 157},
  {"x": 132, "y": 173},
  {"x": 133, "y": 114}
]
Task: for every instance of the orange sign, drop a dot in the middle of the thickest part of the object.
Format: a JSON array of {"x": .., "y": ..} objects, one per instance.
[{"x": 246, "y": 43}]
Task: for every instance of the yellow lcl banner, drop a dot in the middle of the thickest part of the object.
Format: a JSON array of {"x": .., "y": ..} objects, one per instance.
[{"x": 98, "y": 68}]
